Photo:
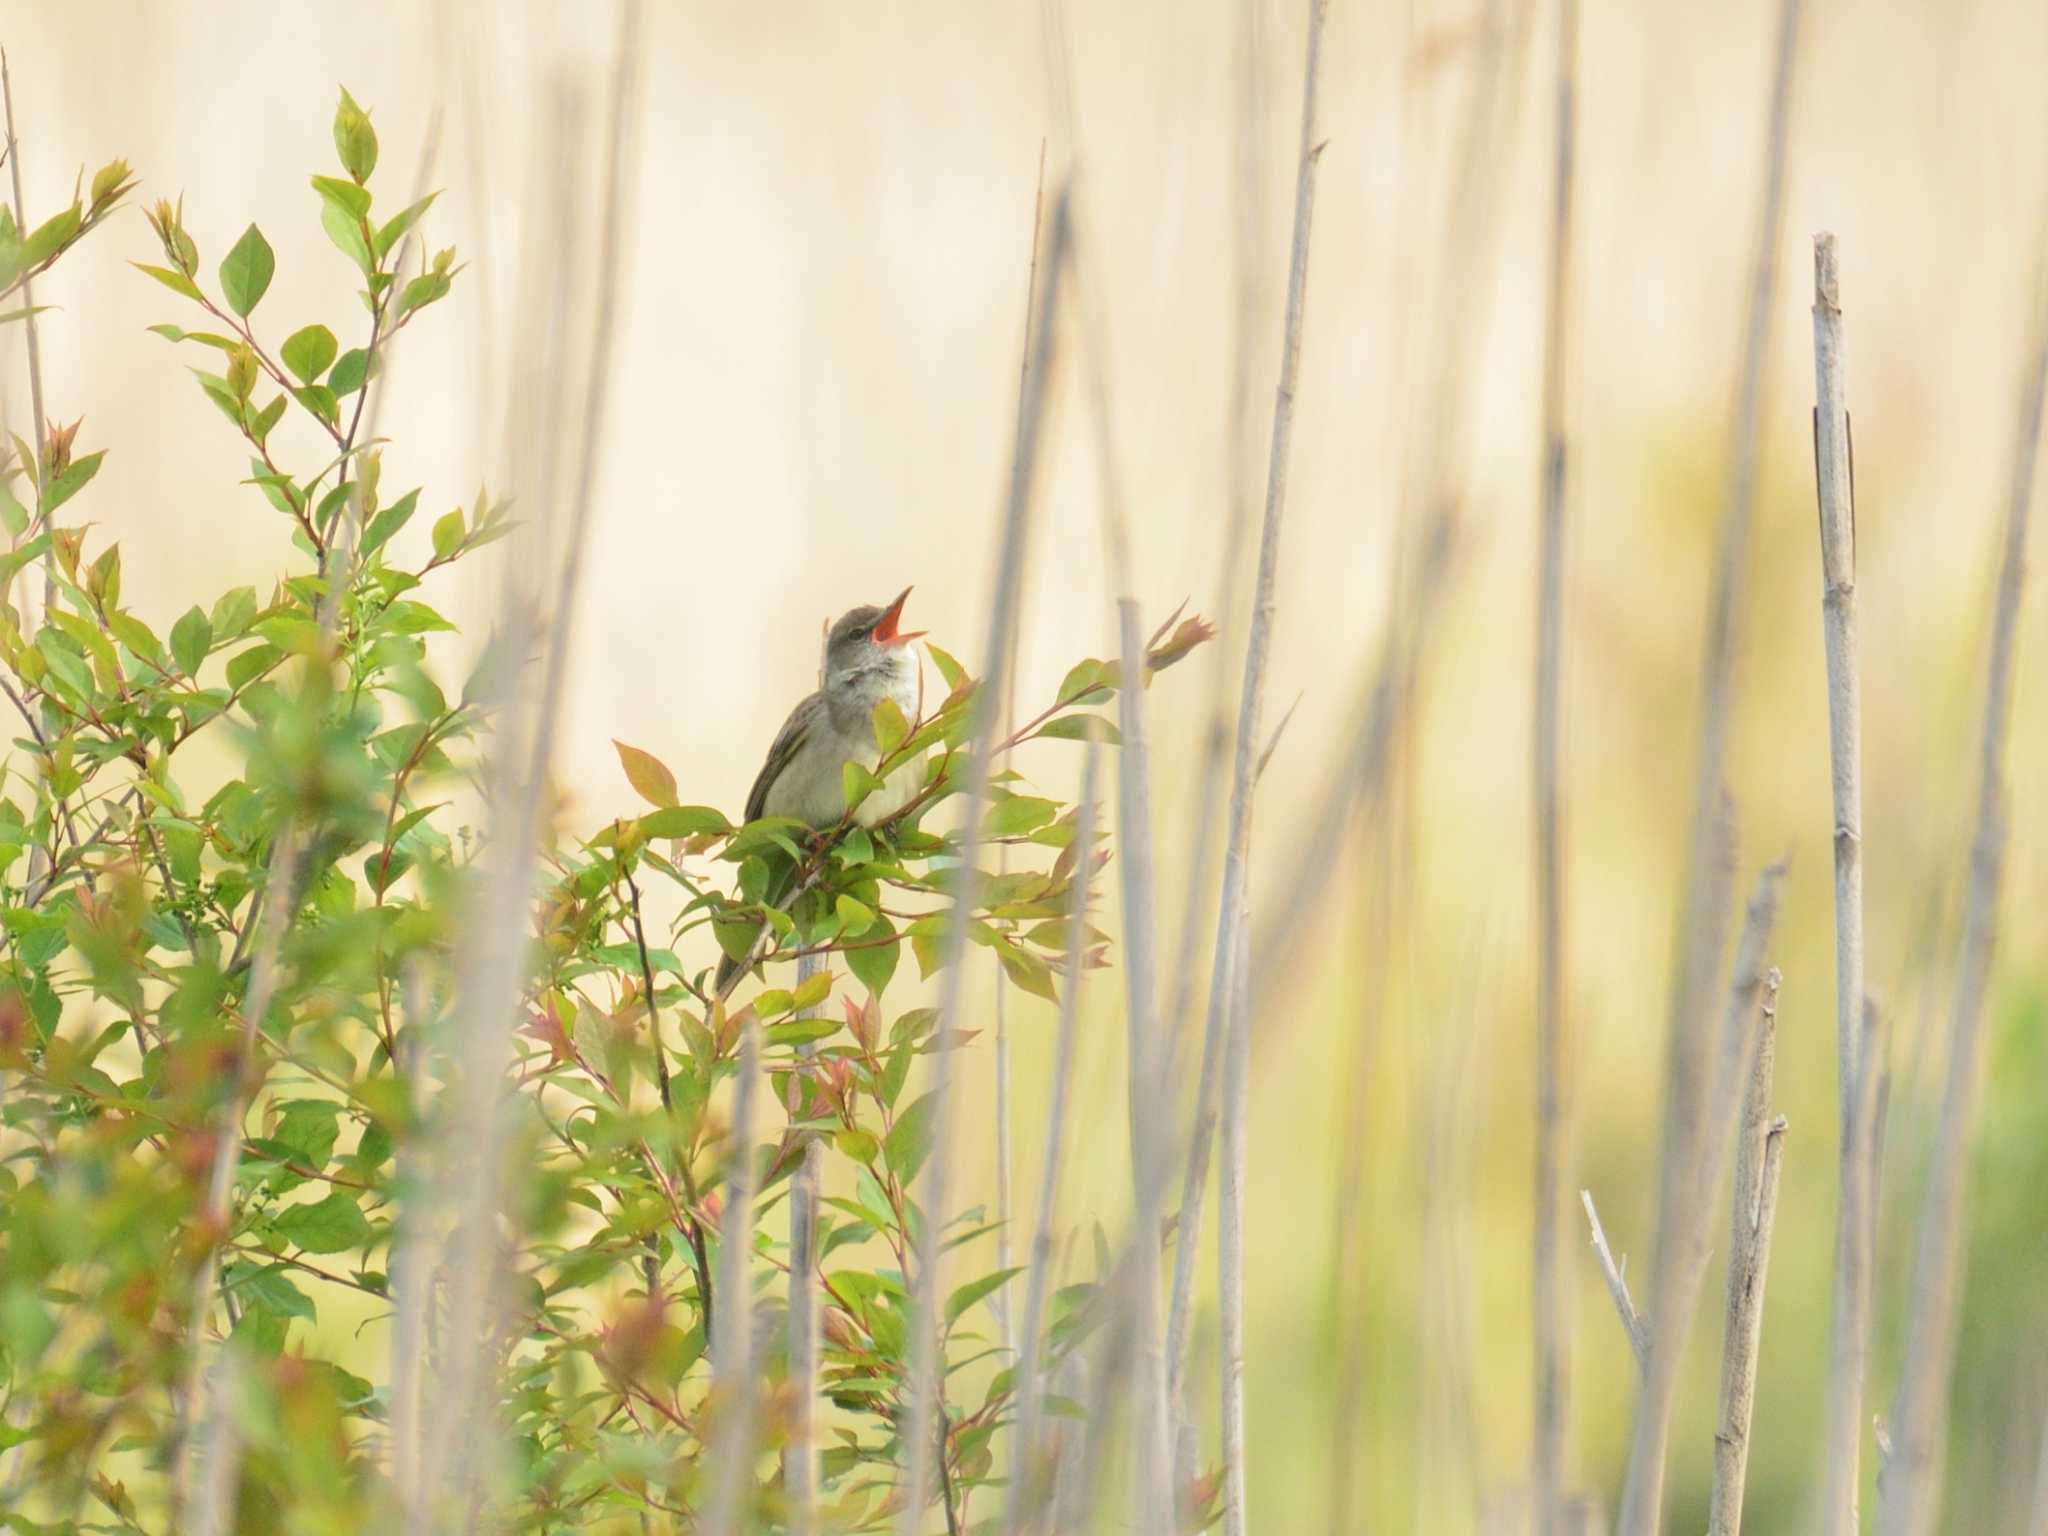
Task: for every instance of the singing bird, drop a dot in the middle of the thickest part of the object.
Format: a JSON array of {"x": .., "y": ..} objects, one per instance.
[{"x": 868, "y": 658}]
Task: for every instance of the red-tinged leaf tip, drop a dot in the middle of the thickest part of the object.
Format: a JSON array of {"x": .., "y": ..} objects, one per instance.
[{"x": 1192, "y": 631}]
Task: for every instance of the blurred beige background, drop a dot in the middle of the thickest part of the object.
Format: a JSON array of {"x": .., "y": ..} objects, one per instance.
[{"x": 811, "y": 405}]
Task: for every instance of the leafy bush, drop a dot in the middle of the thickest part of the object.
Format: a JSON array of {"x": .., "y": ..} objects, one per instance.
[{"x": 223, "y": 1010}]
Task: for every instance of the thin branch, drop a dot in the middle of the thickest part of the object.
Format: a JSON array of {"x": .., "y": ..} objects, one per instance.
[
  {"x": 1552, "y": 1316},
  {"x": 1616, "y": 1276},
  {"x": 1910, "y": 1492},
  {"x": 1696, "y": 1141},
  {"x": 1834, "y": 478},
  {"x": 1027, "y": 1491},
  {"x": 1233, "y": 989},
  {"x": 926, "y": 1378},
  {"x": 1759, "y": 1153}
]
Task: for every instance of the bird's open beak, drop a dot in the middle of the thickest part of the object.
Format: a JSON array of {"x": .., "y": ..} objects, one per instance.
[{"x": 886, "y": 632}]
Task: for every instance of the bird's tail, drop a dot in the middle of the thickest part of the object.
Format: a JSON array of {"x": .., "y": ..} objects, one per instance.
[{"x": 728, "y": 975}]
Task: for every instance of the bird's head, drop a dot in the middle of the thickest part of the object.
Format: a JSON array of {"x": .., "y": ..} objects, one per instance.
[{"x": 867, "y": 648}]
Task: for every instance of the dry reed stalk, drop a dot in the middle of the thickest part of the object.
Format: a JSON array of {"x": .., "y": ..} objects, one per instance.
[
  {"x": 1909, "y": 1492},
  {"x": 1834, "y": 475},
  {"x": 1552, "y": 1316},
  {"x": 1694, "y": 980},
  {"x": 1759, "y": 1155},
  {"x": 1696, "y": 1141},
  {"x": 1024, "y": 1492},
  {"x": 800, "y": 1455},
  {"x": 1001, "y": 1301},
  {"x": 456, "y": 1419},
  {"x": 1232, "y": 905},
  {"x": 918, "y": 1434}
]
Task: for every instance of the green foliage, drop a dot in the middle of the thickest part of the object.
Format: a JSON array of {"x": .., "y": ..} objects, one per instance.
[{"x": 137, "y": 910}]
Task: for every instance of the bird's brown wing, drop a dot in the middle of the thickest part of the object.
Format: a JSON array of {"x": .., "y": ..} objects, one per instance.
[{"x": 788, "y": 742}]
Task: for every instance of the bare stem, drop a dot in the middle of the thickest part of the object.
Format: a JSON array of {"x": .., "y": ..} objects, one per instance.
[
  {"x": 1698, "y": 939},
  {"x": 1759, "y": 1152},
  {"x": 917, "y": 1435},
  {"x": 1029, "y": 1490},
  {"x": 1910, "y": 1491},
  {"x": 1552, "y": 1318},
  {"x": 1616, "y": 1277},
  {"x": 1834, "y": 474},
  {"x": 1696, "y": 1141}
]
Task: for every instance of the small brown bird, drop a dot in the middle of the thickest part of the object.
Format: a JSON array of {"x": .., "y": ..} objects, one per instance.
[{"x": 868, "y": 658}]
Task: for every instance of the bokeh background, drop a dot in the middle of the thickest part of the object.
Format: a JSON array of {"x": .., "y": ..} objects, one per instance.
[{"x": 812, "y": 398}]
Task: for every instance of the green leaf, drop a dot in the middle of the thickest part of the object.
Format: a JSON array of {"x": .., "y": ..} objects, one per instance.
[
  {"x": 269, "y": 1290},
  {"x": 1087, "y": 680},
  {"x": 909, "y": 1141},
  {"x": 233, "y": 612},
  {"x": 857, "y": 1144},
  {"x": 395, "y": 230},
  {"x": 683, "y": 821},
  {"x": 874, "y": 963},
  {"x": 447, "y": 534},
  {"x": 347, "y": 235},
  {"x": 245, "y": 271},
  {"x": 191, "y": 639},
  {"x": 176, "y": 281},
  {"x": 1018, "y": 815},
  {"x": 891, "y": 728},
  {"x": 345, "y": 196},
  {"x": 135, "y": 634},
  {"x": 308, "y": 351},
  {"x": 351, "y": 373},
  {"x": 801, "y": 1031},
  {"x": 50, "y": 236},
  {"x": 974, "y": 1290},
  {"x": 647, "y": 774},
  {"x": 333, "y": 1225},
  {"x": 63, "y": 487},
  {"x": 1027, "y": 971},
  {"x": 355, "y": 141},
  {"x": 812, "y": 991},
  {"x": 1080, "y": 728},
  {"x": 949, "y": 669},
  {"x": 385, "y": 525},
  {"x": 855, "y": 917}
]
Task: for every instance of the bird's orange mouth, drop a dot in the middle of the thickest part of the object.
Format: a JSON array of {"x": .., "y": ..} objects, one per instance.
[{"x": 886, "y": 632}]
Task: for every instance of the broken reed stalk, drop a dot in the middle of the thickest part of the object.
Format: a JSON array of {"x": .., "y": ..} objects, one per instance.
[
  {"x": 1698, "y": 1128},
  {"x": 1029, "y": 1488},
  {"x": 1759, "y": 1155},
  {"x": 39, "y": 431},
  {"x": 1229, "y": 993},
  {"x": 918, "y": 1435},
  {"x": 1552, "y": 1318},
  {"x": 1835, "y": 482},
  {"x": 1699, "y": 952},
  {"x": 1909, "y": 1492},
  {"x": 1005, "y": 1315}
]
